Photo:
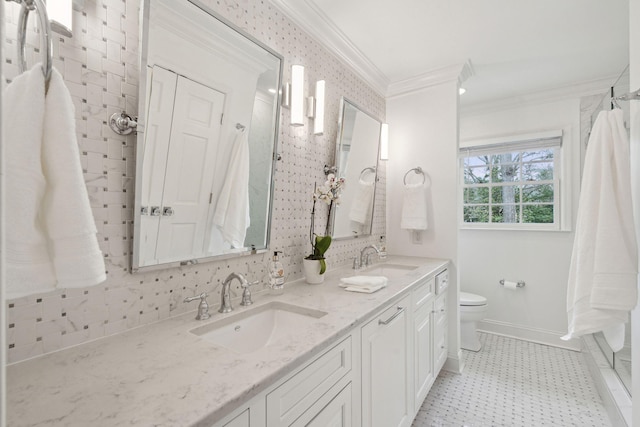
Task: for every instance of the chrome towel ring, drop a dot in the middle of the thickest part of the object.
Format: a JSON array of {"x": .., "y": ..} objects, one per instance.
[
  {"x": 46, "y": 48},
  {"x": 417, "y": 170},
  {"x": 371, "y": 169}
]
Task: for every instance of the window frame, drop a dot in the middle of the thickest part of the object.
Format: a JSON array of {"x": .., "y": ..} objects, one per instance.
[{"x": 515, "y": 144}]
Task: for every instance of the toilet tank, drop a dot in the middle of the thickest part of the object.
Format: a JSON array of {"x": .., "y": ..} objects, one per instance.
[{"x": 442, "y": 281}]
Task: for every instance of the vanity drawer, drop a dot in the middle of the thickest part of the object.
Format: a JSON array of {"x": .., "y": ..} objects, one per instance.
[
  {"x": 442, "y": 281},
  {"x": 423, "y": 293},
  {"x": 290, "y": 400}
]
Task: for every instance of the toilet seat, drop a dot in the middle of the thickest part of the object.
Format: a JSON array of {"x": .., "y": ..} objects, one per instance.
[{"x": 469, "y": 299}]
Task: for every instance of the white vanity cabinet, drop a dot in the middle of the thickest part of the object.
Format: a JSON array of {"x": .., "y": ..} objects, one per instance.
[
  {"x": 430, "y": 336},
  {"x": 386, "y": 367},
  {"x": 423, "y": 341}
]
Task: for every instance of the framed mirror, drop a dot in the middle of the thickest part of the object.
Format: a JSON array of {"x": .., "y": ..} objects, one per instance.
[
  {"x": 207, "y": 131},
  {"x": 357, "y": 154}
]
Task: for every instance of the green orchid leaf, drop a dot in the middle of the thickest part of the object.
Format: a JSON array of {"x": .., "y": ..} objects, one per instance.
[
  {"x": 322, "y": 245},
  {"x": 323, "y": 266}
]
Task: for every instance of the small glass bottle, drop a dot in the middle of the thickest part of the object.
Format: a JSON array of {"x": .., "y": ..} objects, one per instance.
[
  {"x": 383, "y": 247},
  {"x": 276, "y": 275}
]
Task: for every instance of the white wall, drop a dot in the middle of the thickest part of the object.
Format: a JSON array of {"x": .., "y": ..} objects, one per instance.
[
  {"x": 538, "y": 311},
  {"x": 423, "y": 132}
]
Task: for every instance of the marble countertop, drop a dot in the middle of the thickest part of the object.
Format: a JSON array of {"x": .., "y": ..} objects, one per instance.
[{"x": 163, "y": 375}]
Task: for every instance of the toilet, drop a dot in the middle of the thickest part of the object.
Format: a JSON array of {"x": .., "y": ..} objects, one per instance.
[{"x": 473, "y": 308}]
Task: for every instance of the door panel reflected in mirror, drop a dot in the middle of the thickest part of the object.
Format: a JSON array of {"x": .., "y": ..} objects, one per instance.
[
  {"x": 208, "y": 121},
  {"x": 357, "y": 156}
]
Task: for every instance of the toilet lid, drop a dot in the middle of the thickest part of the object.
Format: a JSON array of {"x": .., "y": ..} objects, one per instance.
[{"x": 471, "y": 299}]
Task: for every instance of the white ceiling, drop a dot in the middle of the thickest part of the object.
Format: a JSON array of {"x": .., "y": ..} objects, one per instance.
[{"x": 514, "y": 47}]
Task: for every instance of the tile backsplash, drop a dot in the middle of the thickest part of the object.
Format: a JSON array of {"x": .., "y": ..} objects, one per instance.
[{"x": 100, "y": 67}]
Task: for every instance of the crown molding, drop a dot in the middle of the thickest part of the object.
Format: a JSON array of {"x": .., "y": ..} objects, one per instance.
[
  {"x": 458, "y": 73},
  {"x": 313, "y": 20},
  {"x": 578, "y": 90}
]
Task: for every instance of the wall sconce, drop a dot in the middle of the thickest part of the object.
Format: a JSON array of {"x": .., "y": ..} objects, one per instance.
[
  {"x": 384, "y": 142},
  {"x": 61, "y": 16},
  {"x": 318, "y": 120},
  {"x": 297, "y": 95}
]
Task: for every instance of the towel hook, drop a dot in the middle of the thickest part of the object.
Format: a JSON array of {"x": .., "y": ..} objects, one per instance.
[
  {"x": 417, "y": 170},
  {"x": 122, "y": 123},
  {"x": 27, "y": 6}
]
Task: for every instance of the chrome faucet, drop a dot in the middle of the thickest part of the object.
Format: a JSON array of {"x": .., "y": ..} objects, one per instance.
[
  {"x": 225, "y": 294},
  {"x": 364, "y": 258}
]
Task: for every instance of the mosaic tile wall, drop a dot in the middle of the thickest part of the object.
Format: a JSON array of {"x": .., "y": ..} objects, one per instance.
[{"x": 100, "y": 67}]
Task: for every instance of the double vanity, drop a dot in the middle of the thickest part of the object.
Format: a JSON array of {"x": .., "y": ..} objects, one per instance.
[{"x": 317, "y": 355}]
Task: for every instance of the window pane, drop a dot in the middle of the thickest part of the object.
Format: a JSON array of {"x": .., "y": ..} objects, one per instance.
[
  {"x": 530, "y": 156},
  {"x": 476, "y": 214},
  {"x": 513, "y": 157},
  {"x": 537, "y": 193},
  {"x": 505, "y": 194},
  {"x": 537, "y": 214},
  {"x": 537, "y": 171},
  {"x": 476, "y": 175},
  {"x": 505, "y": 214},
  {"x": 476, "y": 161},
  {"x": 476, "y": 195},
  {"x": 505, "y": 173}
]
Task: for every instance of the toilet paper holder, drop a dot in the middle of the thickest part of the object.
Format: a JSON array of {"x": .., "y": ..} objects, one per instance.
[{"x": 519, "y": 283}]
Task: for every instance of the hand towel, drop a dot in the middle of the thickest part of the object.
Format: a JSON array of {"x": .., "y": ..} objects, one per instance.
[
  {"x": 364, "y": 289},
  {"x": 362, "y": 203},
  {"x": 604, "y": 262},
  {"x": 51, "y": 235},
  {"x": 363, "y": 281},
  {"x": 232, "y": 209},
  {"x": 414, "y": 208}
]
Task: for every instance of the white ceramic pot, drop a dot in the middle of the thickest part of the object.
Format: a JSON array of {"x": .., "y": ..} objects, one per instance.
[{"x": 311, "y": 268}]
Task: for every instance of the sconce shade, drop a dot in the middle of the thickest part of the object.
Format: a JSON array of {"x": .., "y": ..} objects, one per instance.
[
  {"x": 61, "y": 16},
  {"x": 384, "y": 142},
  {"x": 297, "y": 95},
  {"x": 318, "y": 121}
]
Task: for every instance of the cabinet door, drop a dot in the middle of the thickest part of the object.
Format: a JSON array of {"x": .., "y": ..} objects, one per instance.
[
  {"x": 440, "y": 332},
  {"x": 386, "y": 369},
  {"x": 337, "y": 413},
  {"x": 423, "y": 353}
]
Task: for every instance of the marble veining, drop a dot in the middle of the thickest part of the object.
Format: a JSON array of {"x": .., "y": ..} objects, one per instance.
[{"x": 163, "y": 375}]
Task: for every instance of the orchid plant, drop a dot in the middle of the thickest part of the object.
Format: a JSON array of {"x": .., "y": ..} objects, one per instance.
[{"x": 329, "y": 193}]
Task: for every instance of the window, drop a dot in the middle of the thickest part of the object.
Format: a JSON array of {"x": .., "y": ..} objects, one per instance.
[{"x": 512, "y": 184}]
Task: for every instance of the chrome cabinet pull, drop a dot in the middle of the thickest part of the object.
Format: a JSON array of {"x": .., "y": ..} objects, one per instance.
[
  {"x": 390, "y": 319},
  {"x": 144, "y": 210},
  {"x": 155, "y": 211},
  {"x": 167, "y": 211}
]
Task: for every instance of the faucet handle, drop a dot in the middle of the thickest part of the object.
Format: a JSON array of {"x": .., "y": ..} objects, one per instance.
[
  {"x": 246, "y": 294},
  {"x": 356, "y": 263},
  {"x": 203, "y": 307}
]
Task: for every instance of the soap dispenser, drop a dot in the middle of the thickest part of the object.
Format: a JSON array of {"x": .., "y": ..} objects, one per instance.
[
  {"x": 383, "y": 248},
  {"x": 276, "y": 275}
]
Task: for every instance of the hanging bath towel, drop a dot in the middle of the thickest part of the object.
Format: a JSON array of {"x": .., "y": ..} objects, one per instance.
[
  {"x": 51, "y": 235},
  {"x": 362, "y": 204},
  {"x": 602, "y": 286},
  {"x": 232, "y": 209},
  {"x": 414, "y": 208}
]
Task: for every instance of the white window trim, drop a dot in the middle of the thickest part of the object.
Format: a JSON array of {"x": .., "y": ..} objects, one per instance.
[{"x": 562, "y": 174}]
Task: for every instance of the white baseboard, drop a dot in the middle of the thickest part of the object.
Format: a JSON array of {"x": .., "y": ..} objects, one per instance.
[
  {"x": 454, "y": 364},
  {"x": 540, "y": 336}
]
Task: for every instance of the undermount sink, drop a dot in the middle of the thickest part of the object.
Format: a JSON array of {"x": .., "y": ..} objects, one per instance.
[
  {"x": 389, "y": 270},
  {"x": 258, "y": 327}
]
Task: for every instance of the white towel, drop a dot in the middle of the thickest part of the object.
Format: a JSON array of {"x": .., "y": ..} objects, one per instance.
[
  {"x": 414, "y": 208},
  {"x": 362, "y": 204},
  {"x": 604, "y": 263},
  {"x": 363, "y": 281},
  {"x": 232, "y": 209},
  {"x": 51, "y": 235}
]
